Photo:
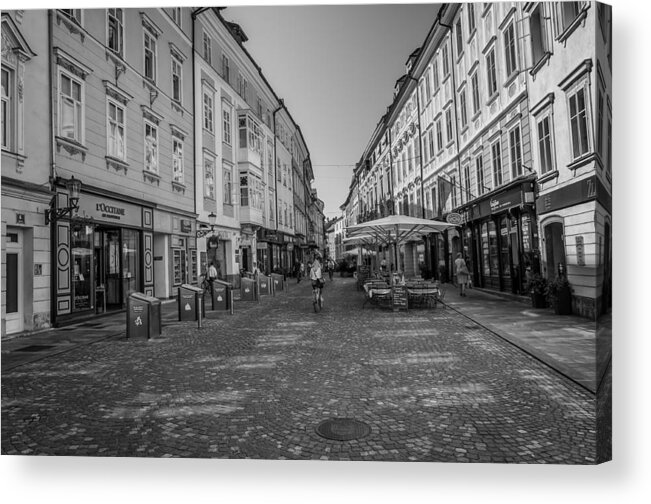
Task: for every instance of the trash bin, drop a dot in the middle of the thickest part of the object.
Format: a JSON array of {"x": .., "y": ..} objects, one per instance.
[
  {"x": 143, "y": 316},
  {"x": 248, "y": 290},
  {"x": 191, "y": 303},
  {"x": 278, "y": 282},
  {"x": 264, "y": 285},
  {"x": 221, "y": 295}
]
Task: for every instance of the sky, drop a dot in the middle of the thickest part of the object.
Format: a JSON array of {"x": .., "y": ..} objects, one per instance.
[{"x": 335, "y": 66}]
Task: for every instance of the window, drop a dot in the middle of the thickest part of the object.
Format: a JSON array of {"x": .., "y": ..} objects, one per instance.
[
  {"x": 151, "y": 147},
  {"x": 177, "y": 80},
  {"x": 609, "y": 165},
  {"x": 207, "y": 48},
  {"x": 437, "y": 82},
  {"x": 208, "y": 177},
  {"x": 538, "y": 34},
  {"x": 474, "y": 80},
  {"x": 228, "y": 183},
  {"x": 116, "y": 128},
  {"x": 115, "y": 32},
  {"x": 510, "y": 53},
  {"x": 227, "y": 125},
  {"x": 176, "y": 15},
  {"x": 72, "y": 14},
  {"x": 462, "y": 105},
  {"x": 7, "y": 108},
  {"x": 567, "y": 12},
  {"x": 496, "y": 152},
  {"x": 453, "y": 181},
  {"x": 578, "y": 123},
  {"x": 600, "y": 122},
  {"x": 479, "y": 174},
  {"x": 545, "y": 145},
  {"x": 439, "y": 135},
  {"x": 471, "y": 17},
  {"x": 466, "y": 180},
  {"x": 491, "y": 72},
  {"x": 70, "y": 108},
  {"x": 446, "y": 62},
  {"x": 516, "y": 152},
  {"x": 241, "y": 86},
  {"x": 410, "y": 155},
  {"x": 448, "y": 125},
  {"x": 279, "y": 167},
  {"x": 428, "y": 86},
  {"x": 226, "y": 71},
  {"x": 177, "y": 161},
  {"x": 207, "y": 111},
  {"x": 459, "y": 31},
  {"x": 430, "y": 139},
  {"x": 150, "y": 56}
]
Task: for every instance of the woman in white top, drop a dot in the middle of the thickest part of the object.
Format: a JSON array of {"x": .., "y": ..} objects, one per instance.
[
  {"x": 316, "y": 275},
  {"x": 462, "y": 273}
]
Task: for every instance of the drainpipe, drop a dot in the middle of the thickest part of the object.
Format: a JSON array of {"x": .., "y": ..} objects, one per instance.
[{"x": 281, "y": 105}]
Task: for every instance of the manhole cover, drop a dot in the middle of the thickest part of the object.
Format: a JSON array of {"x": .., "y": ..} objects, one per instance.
[
  {"x": 342, "y": 429},
  {"x": 34, "y": 348}
]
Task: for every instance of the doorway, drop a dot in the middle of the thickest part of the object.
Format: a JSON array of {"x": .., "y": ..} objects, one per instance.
[
  {"x": 14, "y": 282},
  {"x": 554, "y": 247}
]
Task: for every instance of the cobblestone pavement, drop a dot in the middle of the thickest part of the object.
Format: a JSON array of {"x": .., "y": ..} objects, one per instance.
[{"x": 431, "y": 386}]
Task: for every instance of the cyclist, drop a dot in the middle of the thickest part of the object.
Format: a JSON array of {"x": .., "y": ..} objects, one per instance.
[{"x": 316, "y": 275}]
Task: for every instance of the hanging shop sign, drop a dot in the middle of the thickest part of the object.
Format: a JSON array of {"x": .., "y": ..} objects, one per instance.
[
  {"x": 186, "y": 226},
  {"x": 454, "y": 218}
]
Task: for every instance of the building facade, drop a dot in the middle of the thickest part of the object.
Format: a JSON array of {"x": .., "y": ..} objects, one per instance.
[
  {"x": 502, "y": 125},
  {"x": 183, "y": 153}
]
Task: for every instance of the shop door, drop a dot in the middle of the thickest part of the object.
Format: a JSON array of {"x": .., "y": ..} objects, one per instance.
[
  {"x": 607, "y": 294},
  {"x": 14, "y": 282},
  {"x": 112, "y": 265},
  {"x": 180, "y": 271}
]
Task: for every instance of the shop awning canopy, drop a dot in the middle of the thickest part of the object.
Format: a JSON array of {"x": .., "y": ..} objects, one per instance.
[{"x": 396, "y": 229}]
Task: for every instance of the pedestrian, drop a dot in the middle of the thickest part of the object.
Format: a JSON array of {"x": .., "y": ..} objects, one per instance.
[
  {"x": 301, "y": 271},
  {"x": 331, "y": 268},
  {"x": 462, "y": 273},
  {"x": 316, "y": 275},
  {"x": 212, "y": 276}
]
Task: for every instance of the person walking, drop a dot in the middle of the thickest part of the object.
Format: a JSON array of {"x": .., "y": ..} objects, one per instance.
[
  {"x": 316, "y": 275},
  {"x": 331, "y": 268},
  {"x": 462, "y": 273},
  {"x": 212, "y": 276}
]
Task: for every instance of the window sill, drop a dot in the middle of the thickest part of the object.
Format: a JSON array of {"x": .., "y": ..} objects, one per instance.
[
  {"x": 541, "y": 63},
  {"x": 471, "y": 36},
  {"x": 117, "y": 60},
  {"x": 72, "y": 147},
  {"x": 150, "y": 176},
  {"x": 178, "y": 186},
  {"x": 548, "y": 176},
  {"x": 582, "y": 161},
  {"x": 116, "y": 163},
  {"x": 511, "y": 79},
  {"x": 177, "y": 106},
  {"x": 492, "y": 99}
]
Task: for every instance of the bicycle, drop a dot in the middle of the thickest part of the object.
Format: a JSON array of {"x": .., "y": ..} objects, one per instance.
[{"x": 317, "y": 298}]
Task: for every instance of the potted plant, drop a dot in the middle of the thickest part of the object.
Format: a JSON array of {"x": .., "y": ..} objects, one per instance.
[
  {"x": 559, "y": 295},
  {"x": 537, "y": 287}
]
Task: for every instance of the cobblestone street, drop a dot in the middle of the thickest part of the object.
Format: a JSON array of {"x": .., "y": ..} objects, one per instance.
[{"x": 430, "y": 384}]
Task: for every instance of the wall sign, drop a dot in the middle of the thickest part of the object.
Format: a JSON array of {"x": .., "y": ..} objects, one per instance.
[
  {"x": 20, "y": 218},
  {"x": 579, "y": 192},
  {"x": 110, "y": 210},
  {"x": 580, "y": 252}
]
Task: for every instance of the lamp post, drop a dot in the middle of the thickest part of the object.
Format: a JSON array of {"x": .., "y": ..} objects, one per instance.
[
  {"x": 212, "y": 218},
  {"x": 54, "y": 213}
]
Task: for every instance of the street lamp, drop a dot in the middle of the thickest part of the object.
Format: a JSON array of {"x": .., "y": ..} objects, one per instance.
[
  {"x": 212, "y": 218},
  {"x": 54, "y": 213}
]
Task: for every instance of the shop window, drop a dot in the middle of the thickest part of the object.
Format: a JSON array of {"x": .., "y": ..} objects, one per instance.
[
  {"x": 504, "y": 247},
  {"x": 81, "y": 248}
]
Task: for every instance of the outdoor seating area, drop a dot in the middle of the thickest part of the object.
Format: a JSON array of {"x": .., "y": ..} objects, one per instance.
[{"x": 420, "y": 293}]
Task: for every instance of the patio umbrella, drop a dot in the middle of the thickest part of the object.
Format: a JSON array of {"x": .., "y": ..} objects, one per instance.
[{"x": 396, "y": 229}]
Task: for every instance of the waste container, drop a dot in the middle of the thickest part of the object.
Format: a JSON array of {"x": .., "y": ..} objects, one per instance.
[
  {"x": 143, "y": 316},
  {"x": 248, "y": 290},
  {"x": 264, "y": 285},
  {"x": 221, "y": 295},
  {"x": 278, "y": 282},
  {"x": 191, "y": 303}
]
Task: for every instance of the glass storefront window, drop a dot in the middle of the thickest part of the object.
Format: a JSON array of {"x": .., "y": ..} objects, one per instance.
[
  {"x": 493, "y": 250},
  {"x": 485, "y": 251},
  {"x": 82, "y": 255},
  {"x": 504, "y": 247}
]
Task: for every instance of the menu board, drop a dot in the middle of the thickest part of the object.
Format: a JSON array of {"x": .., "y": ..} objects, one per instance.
[{"x": 399, "y": 295}]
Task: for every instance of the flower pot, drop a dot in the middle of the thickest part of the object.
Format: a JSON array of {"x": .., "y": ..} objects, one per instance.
[{"x": 538, "y": 300}]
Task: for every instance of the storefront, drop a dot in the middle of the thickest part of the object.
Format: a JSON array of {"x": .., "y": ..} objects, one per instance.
[
  {"x": 101, "y": 255},
  {"x": 499, "y": 237}
]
